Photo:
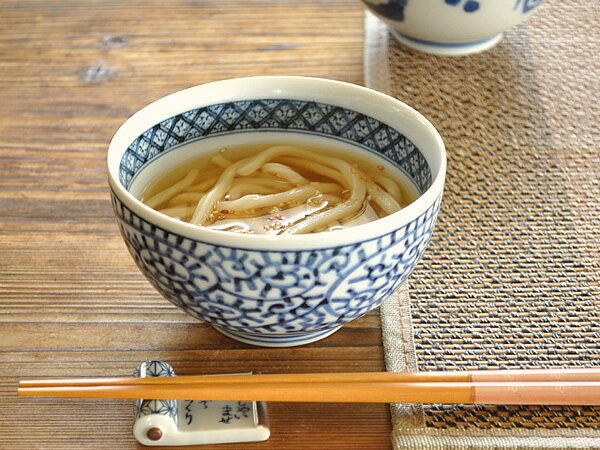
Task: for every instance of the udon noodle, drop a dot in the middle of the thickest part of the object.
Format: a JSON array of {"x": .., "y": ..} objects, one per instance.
[{"x": 283, "y": 189}]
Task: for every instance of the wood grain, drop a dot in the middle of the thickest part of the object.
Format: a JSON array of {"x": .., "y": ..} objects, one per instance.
[{"x": 72, "y": 302}]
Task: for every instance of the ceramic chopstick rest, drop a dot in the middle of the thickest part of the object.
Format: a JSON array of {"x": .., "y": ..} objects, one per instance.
[{"x": 194, "y": 422}]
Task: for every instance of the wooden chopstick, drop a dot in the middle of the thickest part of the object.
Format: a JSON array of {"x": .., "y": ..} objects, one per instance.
[
  {"x": 522, "y": 393},
  {"x": 355, "y": 388},
  {"x": 591, "y": 374}
]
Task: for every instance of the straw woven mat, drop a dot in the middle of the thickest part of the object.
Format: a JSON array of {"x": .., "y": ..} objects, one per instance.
[{"x": 511, "y": 278}]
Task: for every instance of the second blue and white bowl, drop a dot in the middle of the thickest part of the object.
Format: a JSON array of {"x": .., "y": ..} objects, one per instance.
[{"x": 451, "y": 27}]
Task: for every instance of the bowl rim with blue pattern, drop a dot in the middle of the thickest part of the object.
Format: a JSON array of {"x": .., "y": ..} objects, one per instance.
[
  {"x": 369, "y": 102},
  {"x": 267, "y": 290}
]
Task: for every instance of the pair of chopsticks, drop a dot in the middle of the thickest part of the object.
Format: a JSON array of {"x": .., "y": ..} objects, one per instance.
[{"x": 507, "y": 387}]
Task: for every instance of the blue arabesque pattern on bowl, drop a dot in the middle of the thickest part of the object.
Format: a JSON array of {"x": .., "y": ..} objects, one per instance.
[{"x": 275, "y": 292}]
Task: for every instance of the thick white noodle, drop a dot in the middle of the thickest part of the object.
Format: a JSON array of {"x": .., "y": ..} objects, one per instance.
[
  {"x": 328, "y": 188},
  {"x": 203, "y": 186},
  {"x": 253, "y": 201},
  {"x": 344, "y": 210},
  {"x": 163, "y": 196},
  {"x": 287, "y": 150},
  {"x": 220, "y": 160},
  {"x": 264, "y": 180},
  {"x": 384, "y": 200},
  {"x": 184, "y": 198},
  {"x": 390, "y": 186},
  {"x": 283, "y": 171},
  {"x": 329, "y": 198},
  {"x": 248, "y": 166},
  {"x": 316, "y": 168},
  {"x": 179, "y": 212},
  {"x": 207, "y": 202},
  {"x": 241, "y": 189}
]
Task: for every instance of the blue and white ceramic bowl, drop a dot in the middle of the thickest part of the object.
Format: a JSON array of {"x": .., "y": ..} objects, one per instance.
[
  {"x": 275, "y": 290},
  {"x": 451, "y": 27}
]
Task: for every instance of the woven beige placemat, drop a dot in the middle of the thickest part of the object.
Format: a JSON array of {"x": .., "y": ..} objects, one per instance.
[{"x": 511, "y": 278}]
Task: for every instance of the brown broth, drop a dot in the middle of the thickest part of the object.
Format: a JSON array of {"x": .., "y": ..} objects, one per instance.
[{"x": 273, "y": 219}]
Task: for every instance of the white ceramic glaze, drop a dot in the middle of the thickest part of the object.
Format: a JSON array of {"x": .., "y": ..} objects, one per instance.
[
  {"x": 451, "y": 27},
  {"x": 276, "y": 290}
]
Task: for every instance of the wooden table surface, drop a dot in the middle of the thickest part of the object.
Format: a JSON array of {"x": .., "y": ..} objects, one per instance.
[{"x": 72, "y": 303}]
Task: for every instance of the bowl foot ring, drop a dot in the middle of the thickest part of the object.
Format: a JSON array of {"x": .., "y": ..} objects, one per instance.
[
  {"x": 277, "y": 341},
  {"x": 445, "y": 49}
]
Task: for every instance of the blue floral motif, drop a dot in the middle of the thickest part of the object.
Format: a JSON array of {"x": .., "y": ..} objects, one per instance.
[
  {"x": 394, "y": 9},
  {"x": 527, "y": 5},
  {"x": 469, "y": 6}
]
